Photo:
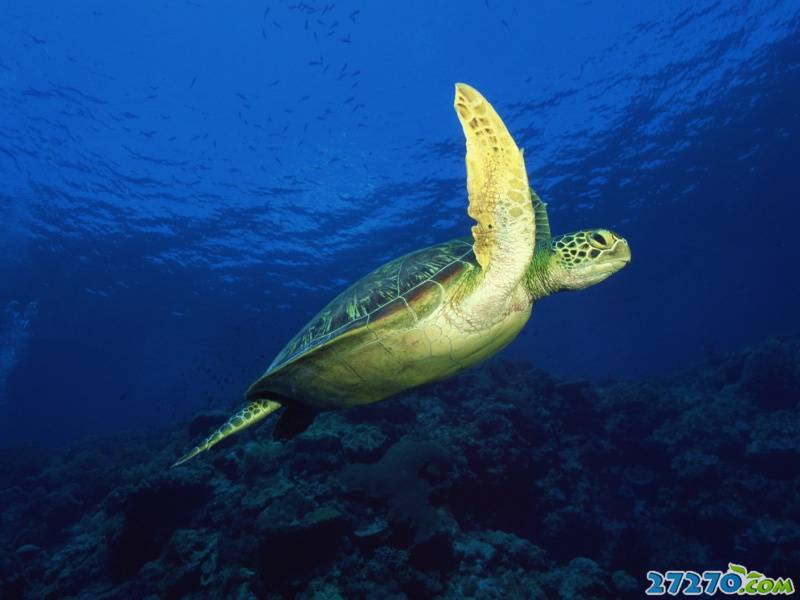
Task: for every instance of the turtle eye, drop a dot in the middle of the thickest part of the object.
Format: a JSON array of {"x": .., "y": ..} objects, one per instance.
[{"x": 598, "y": 240}]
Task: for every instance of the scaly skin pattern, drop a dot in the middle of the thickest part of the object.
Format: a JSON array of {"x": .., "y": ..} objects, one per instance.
[{"x": 249, "y": 415}]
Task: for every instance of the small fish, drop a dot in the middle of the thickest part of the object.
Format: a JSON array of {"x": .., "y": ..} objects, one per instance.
[
  {"x": 354, "y": 14},
  {"x": 36, "y": 40},
  {"x": 194, "y": 80},
  {"x": 345, "y": 40}
]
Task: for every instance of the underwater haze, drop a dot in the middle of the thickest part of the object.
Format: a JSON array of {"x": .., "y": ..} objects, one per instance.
[{"x": 184, "y": 184}]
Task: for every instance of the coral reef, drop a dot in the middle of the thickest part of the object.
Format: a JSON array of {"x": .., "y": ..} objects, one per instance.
[{"x": 502, "y": 483}]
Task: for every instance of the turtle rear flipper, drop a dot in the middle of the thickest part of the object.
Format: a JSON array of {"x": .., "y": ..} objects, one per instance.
[
  {"x": 293, "y": 421},
  {"x": 249, "y": 415}
]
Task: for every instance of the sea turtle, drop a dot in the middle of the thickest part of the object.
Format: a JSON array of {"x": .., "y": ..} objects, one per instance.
[{"x": 432, "y": 313}]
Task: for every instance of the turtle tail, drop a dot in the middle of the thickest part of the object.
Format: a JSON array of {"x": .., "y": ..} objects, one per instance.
[{"x": 249, "y": 415}]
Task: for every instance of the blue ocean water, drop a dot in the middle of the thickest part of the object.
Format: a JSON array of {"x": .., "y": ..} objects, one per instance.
[{"x": 185, "y": 184}]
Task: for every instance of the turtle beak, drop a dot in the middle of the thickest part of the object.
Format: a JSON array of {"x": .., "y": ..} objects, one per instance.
[
  {"x": 621, "y": 252},
  {"x": 609, "y": 262}
]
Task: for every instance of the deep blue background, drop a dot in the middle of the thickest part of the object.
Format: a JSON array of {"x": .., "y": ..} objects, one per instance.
[{"x": 184, "y": 184}]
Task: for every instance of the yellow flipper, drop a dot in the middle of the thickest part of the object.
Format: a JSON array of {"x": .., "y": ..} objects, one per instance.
[
  {"x": 249, "y": 415},
  {"x": 499, "y": 195}
]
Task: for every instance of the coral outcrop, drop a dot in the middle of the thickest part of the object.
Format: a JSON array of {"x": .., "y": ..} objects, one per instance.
[{"x": 502, "y": 483}]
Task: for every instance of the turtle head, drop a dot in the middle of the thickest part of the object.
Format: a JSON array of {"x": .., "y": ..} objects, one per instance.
[{"x": 578, "y": 260}]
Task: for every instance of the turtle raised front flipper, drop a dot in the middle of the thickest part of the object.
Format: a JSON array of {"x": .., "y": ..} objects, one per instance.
[
  {"x": 249, "y": 415},
  {"x": 499, "y": 200}
]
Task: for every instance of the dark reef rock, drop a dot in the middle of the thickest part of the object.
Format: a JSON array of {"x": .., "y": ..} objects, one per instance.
[
  {"x": 771, "y": 375},
  {"x": 501, "y": 483},
  {"x": 402, "y": 478},
  {"x": 150, "y": 512}
]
